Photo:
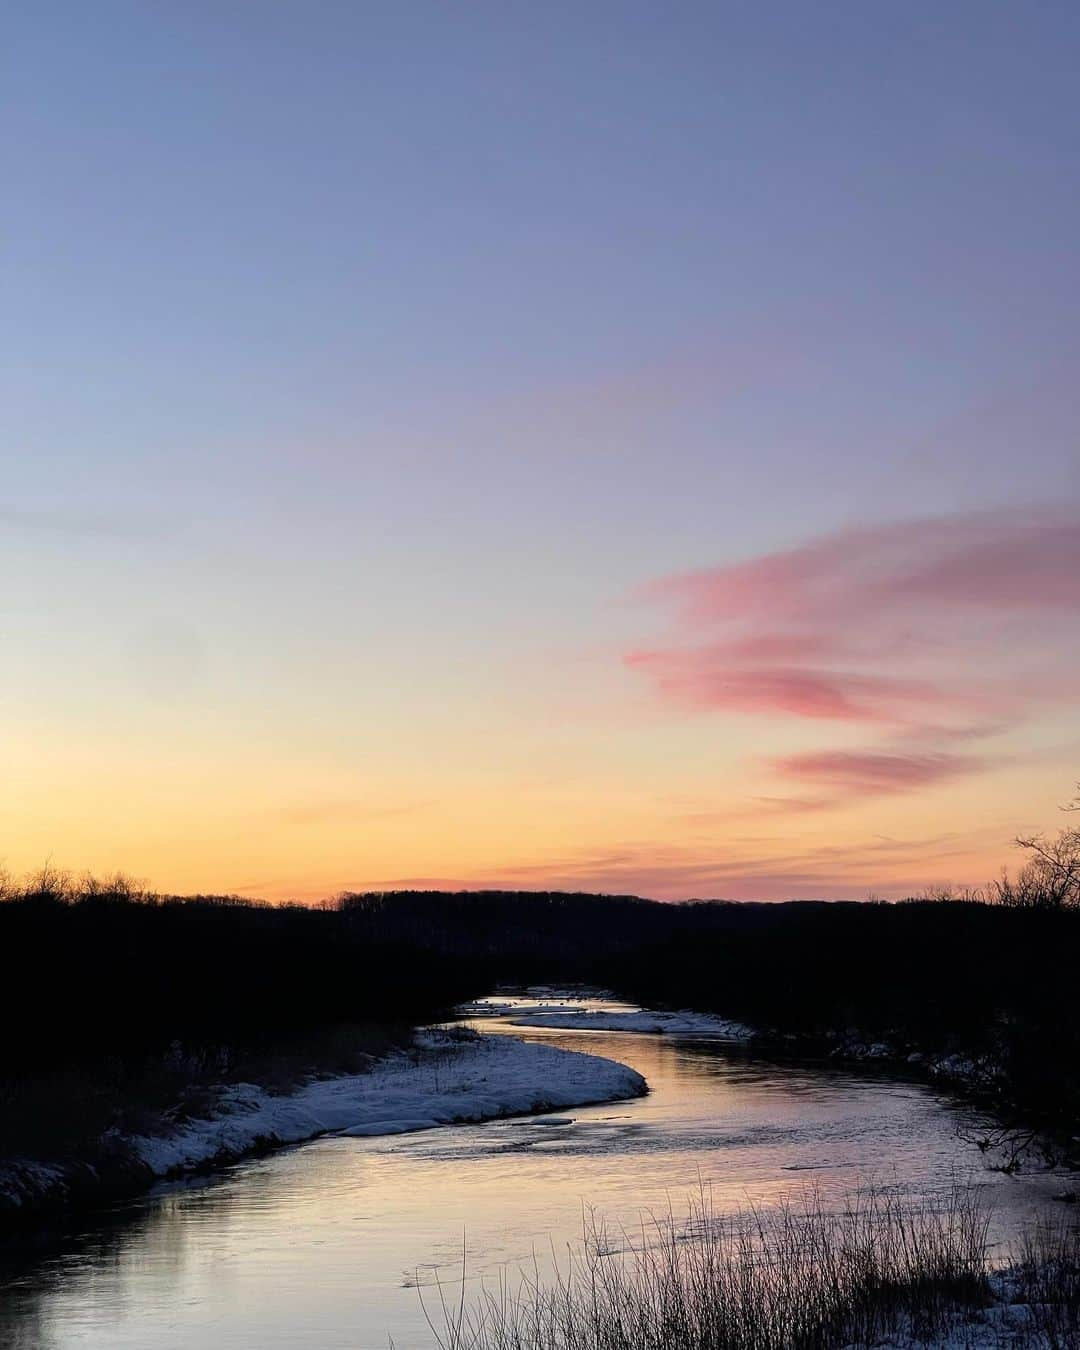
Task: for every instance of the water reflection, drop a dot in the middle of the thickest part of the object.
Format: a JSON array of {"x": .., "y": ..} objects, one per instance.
[{"x": 323, "y": 1246}]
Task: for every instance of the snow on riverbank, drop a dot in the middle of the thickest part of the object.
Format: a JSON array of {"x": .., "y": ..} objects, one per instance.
[
  {"x": 564, "y": 1017},
  {"x": 975, "y": 1072},
  {"x": 448, "y": 1077},
  {"x": 651, "y": 1023}
]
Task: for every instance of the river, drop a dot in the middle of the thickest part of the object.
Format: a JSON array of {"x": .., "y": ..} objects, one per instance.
[{"x": 323, "y": 1246}]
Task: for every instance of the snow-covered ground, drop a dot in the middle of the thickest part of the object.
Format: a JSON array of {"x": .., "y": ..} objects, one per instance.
[
  {"x": 588, "y": 1009},
  {"x": 450, "y": 1077},
  {"x": 981, "y": 1072},
  {"x": 568, "y": 1015},
  {"x": 654, "y": 1023},
  {"x": 1003, "y": 1325}
]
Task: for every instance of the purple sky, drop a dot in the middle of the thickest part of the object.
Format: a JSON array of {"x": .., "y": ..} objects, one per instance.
[{"x": 623, "y": 445}]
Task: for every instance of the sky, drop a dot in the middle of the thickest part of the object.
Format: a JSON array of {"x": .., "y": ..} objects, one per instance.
[{"x": 613, "y": 446}]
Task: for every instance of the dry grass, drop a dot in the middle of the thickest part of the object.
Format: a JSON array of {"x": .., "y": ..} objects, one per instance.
[
  {"x": 1043, "y": 1285},
  {"x": 799, "y": 1277}
]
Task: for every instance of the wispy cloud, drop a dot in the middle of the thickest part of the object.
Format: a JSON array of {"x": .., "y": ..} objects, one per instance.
[
  {"x": 875, "y": 773},
  {"x": 746, "y": 869},
  {"x": 991, "y": 560},
  {"x": 710, "y": 679},
  {"x": 936, "y": 631}
]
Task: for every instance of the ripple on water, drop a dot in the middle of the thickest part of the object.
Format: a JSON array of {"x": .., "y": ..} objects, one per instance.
[{"x": 329, "y": 1245}]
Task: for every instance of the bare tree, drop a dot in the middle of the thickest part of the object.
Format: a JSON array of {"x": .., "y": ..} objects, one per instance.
[{"x": 1050, "y": 879}]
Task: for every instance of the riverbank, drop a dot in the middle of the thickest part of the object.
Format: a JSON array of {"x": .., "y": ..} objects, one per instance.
[
  {"x": 977, "y": 1074},
  {"x": 447, "y": 1076},
  {"x": 557, "y": 1010},
  {"x": 556, "y": 1015}
]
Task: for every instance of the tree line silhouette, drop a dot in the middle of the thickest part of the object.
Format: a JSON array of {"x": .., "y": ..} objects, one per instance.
[{"x": 110, "y": 981}]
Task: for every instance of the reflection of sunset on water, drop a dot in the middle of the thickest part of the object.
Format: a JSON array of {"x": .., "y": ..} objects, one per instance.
[{"x": 328, "y": 1241}]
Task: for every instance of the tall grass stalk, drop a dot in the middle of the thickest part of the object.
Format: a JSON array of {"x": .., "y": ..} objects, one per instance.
[
  {"x": 798, "y": 1277},
  {"x": 1043, "y": 1281}
]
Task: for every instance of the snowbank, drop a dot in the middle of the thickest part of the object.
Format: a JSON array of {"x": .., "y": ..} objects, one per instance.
[
  {"x": 568, "y": 1014},
  {"x": 1002, "y": 1324},
  {"x": 545, "y": 1001},
  {"x": 982, "y": 1072},
  {"x": 652, "y": 1023},
  {"x": 448, "y": 1077}
]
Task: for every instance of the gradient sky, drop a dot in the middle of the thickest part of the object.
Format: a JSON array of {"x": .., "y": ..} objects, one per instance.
[{"x": 607, "y": 445}]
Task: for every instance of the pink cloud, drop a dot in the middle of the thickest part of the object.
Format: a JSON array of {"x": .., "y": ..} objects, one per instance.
[
  {"x": 698, "y": 678},
  {"x": 1024, "y": 567},
  {"x": 879, "y": 624},
  {"x": 876, "y": 773},
  {"x": 943, "y": 630},
  {"x": 993, "y": 560},
  {"x": 739, "y": 870}
]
